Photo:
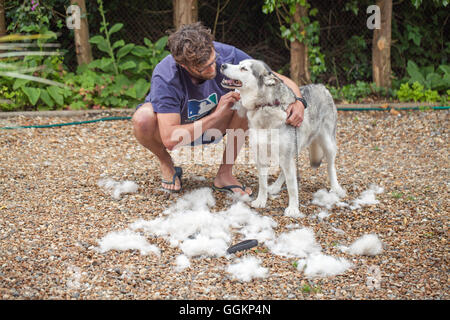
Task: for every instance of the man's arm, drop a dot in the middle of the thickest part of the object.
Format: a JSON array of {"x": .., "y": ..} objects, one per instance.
[
  {"x": 173, "y": 132},
  {"x": 296, "y": 110}
]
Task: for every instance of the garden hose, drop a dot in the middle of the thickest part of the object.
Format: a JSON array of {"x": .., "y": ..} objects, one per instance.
[
  {"x": 393, "y": 108},
  {"x": 128, "y": 118},
  {"x": 68, "y": 123}
]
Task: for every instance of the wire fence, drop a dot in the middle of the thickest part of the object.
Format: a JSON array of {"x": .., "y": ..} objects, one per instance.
[
  {"x": 239, "y": 23},
  {"x": 344, "y": 39},
  {"x": 142, "y": 19}
]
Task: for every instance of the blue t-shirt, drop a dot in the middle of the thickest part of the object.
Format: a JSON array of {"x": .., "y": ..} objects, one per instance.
[{"x": 172, "y": 90}]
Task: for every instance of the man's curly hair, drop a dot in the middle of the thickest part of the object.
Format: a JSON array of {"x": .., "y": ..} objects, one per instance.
[{"x": 191, "y": 44}]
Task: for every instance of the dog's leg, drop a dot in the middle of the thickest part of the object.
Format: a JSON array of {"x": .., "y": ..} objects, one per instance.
[
  {"x": 315, "y": 154},
  {"x": 260, "y": 201},
  {"x": 330, "y": 149},
  {"x": 275, "y": 187},
  {"x": 290, "y": 173}
]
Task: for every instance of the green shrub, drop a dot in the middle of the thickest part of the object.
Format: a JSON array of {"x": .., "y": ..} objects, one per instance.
[
  {"x": 358, "y": 91},
  {"x": 121, "y": 78},
  {"x": 11, "y": 100},
  {"x": 417, "y": 93},
  {"x": 428, "y": 77}
]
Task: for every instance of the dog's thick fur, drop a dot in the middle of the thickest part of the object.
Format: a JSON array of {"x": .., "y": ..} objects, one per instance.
[{"x": 264, "y": 100}]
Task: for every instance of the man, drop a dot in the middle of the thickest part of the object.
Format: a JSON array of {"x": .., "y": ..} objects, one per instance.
[{"x": 186, "y": 96}]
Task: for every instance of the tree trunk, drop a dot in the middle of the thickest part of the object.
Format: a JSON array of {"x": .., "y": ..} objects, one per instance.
[
  {"x": 381, "y": 46},
  {"x": 299, "y": 52},
  {"x": 184, "y": 12},
  {"x": 2, "y": 19},
  {"x": 82, "y": 45}
]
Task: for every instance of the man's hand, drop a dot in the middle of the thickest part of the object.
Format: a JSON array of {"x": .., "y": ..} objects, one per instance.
[
  {"x": 226, "y": 102},
  {"x": 296, "y": 110},
  {"x": 295, "y": 113}
]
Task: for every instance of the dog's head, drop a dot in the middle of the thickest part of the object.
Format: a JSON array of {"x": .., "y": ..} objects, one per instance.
[{"x": 248, "y": 75}]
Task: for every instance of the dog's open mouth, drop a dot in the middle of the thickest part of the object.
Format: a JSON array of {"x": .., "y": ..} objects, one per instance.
[{"x": 230, "y": 83}]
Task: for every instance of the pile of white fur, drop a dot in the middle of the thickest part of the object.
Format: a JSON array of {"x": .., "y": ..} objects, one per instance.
[{"x": 190, "y": 225}]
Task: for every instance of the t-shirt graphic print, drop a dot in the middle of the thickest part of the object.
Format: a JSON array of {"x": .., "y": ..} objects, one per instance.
[{"x": 199, "y": 108}]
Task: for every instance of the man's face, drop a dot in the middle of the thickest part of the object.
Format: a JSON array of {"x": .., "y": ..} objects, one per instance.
[{"x": 207, "y": 71}]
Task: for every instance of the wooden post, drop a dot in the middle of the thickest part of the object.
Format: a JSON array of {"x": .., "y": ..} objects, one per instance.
[
  {"x": 2, "y": 19},
  {"x": 381, "y": 46},
  {"x": 184, "y": 12},
  {"x": 299, "y": 52},
  {"x": 82, "y": 45}
]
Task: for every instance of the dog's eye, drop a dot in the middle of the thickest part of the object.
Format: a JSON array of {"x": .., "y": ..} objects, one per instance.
[{"x": 244, "y": 69}]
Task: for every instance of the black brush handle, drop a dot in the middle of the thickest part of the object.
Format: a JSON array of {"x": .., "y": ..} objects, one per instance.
[{"x": 244, "y": 245}]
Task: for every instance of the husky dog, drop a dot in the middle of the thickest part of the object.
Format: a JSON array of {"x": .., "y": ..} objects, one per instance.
[{"x": 264, "y": 100}]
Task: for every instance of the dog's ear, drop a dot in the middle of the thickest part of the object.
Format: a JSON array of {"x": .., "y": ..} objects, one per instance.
[{"x": 270, "y": 79}]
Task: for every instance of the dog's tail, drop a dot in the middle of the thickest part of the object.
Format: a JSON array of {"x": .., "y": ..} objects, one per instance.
[{"x": 315, "y": 154}]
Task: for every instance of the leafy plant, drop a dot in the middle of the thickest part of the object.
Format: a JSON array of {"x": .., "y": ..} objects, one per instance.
[
  {"x": 26, "y": 75},
  {"x": 11, "y": 100},
  {"x": 119, "y": 79},
  {"x": 417, "y": 93},
  {"x": 98, "y": 90},
  {"x": 133, "y": 60},
  {"x": 357, "y": 66},
  {"x": 291, "y": 30},
  {"x": 26, "y": 15},
  {"x": 417, "y": 3},
  {"x": 418, "y": 34},
  {"x": 357, "y": 91},
  {"x": 428, "y": 77},
  {"x": 104, "y": 44},
  {"x": 31, "y": 71}
]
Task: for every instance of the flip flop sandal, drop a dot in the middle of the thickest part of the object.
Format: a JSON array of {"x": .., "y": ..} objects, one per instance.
[
  {"x": 229, "y": 188},
  {"x": 178, "y": 173}
]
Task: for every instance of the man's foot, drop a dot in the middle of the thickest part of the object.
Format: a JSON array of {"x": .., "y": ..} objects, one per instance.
[
  {"x": 228, "y": 180},
  {"x": 171, "y": 178},
  {"x": 230, "y": 188}
]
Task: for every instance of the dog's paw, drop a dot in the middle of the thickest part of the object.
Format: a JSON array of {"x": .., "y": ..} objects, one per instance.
[
  {"x": 293, "y": 212},
  {"x": 339, "y": 191},
  {"x": 259, "y": 203}
]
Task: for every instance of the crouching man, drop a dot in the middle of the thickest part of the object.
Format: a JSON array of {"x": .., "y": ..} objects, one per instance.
[{"x": 186, "y": 96}]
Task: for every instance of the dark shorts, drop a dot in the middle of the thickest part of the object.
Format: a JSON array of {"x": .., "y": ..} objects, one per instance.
[{"x": 204, "y": 139}]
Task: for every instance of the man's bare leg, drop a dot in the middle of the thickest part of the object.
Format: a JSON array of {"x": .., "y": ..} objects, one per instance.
[
  {"x": 146, "y": 131},
  {"x": 234, "y": 144}
]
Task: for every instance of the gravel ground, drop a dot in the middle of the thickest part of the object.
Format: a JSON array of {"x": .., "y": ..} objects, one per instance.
[{"x": 53, "y": 213}]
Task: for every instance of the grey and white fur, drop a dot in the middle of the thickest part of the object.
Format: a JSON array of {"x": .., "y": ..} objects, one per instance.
[{"x": 264, "y": 100}]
